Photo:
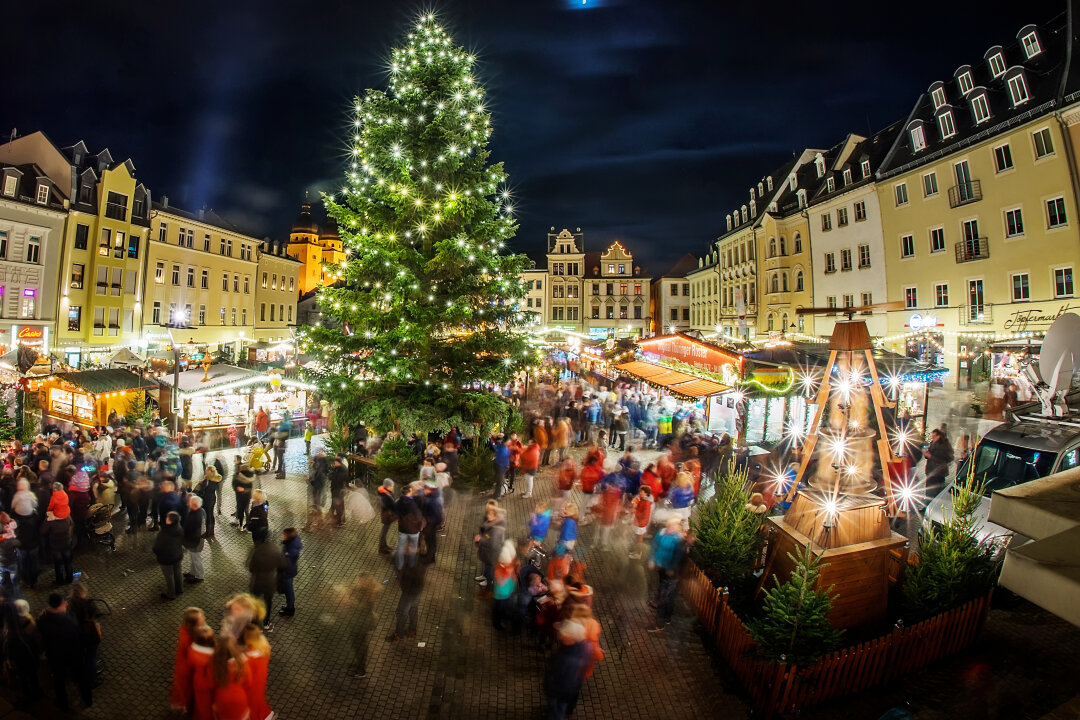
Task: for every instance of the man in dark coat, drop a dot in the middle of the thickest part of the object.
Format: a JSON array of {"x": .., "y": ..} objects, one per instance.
[
  {"x": 264, "y": 563},
  {"x": 412, "y": 586},
  {"x": 169, "y": 551},
  {"x": 410, "y": 522},
  {"x": 388, "y": 515},
  {"x": 339, "y": 478},
  {"x": 938, "y": 454},
  {"x": 62, "y": 640},
  {"x": 432, "y": 509},
  {"x": 320, "y": 470},
  {"x": 194, "y": 525},
  {"x": 566, "y": 671}
]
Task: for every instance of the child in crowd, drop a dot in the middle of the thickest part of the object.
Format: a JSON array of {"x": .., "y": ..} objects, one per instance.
[{"x": 643, "y": 505}]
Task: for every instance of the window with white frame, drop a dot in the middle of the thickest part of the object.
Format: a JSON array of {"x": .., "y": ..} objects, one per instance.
[
  {"x": 867, "y": 298},
  {"x": 42, "y": 194},
  {"x": 918, "y": 138},
  {"x": 937, "y": 240},
  {"x": 907, "y": 246},
  {"x": 845, "y": 259},
  {"x": 938, "y": 96},
  {"x": 11, "y": 184},
  {"x": 849, "y": 301},
  {"x": 941, "y": 295},
  {"x": 841, "y": 217},
  {"x": 830, "y": 184},
  {"x": 1014, "y": 222},
  {"x": 826, "y": 221},
  {"x": 1020, "y": 287},
  {"x": 866, "y": 168},
  {"x": 33, "y": 247},
  {"x": 963, "y": 80},
  {"x": 946, "y": 125},
  {"x": 980, "y": 109},
  {"x": 860, "y": 211},
  {"x": 1003, "y": 158},
  {"x": 1044, "y": 144},
  {"x": 831, "y": 300},
  {"x": 163, "y": 232},
  {"x": 864, "y": 256},
  {"x": 911, "y": 298},
  {"x": 929, "y": 183},
  {"x": 1055, "y": 212},
  {"x": 997, "y": 65},
  {"x": 847, "y": 176},
  {"x": 830, "y": 262},
  {"x": 901, "y": 194},
  {"x": 1063, "y": 282},
  {"x": 1031, "y": 45},
  {"x": 1018, "y": 91}
]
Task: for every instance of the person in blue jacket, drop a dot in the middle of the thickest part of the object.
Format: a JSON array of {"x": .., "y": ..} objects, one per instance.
[
  {"x": 502, "y": 464},
  {"x": 291, "y": 546},
  {"x": 668, "y": 549}
]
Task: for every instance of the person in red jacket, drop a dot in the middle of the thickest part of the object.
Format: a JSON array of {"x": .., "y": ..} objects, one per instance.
[
  {"x": 665, "y": 468},
  {"x": 591, "y": 475},
  {"x": 651, "y": 480},
  {"x": 200, "y": 655},
  {"x": 693, "y": 466},
  {"x": 180, "y": 696},
  {"x": 257, "y": 659},
  {"x": 564, "y": 483},
  {"x": 529, "y": 461},
  {"x": 230, "y": 676},
  {"x": 643, "y": 504}
]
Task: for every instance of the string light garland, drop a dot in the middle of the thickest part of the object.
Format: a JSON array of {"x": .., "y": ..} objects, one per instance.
[{"x": 427, "y": 302}]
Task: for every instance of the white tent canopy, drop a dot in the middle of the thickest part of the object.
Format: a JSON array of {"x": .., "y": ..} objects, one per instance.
[{"x": 125, "y": 358}]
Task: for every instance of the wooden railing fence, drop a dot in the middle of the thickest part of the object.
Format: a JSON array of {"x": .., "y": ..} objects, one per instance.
[{"x": 778, "y": 687}]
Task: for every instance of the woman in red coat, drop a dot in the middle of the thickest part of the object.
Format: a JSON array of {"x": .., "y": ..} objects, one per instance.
[
  {"x": 180, "y": 697},
  {"x": 200, "y": 655},
  {"x": 230, "y": 675},
  {"x": 257, "y": 659}
]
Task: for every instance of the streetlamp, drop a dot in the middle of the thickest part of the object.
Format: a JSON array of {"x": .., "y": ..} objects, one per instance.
[{"x": 178, "y": 320}]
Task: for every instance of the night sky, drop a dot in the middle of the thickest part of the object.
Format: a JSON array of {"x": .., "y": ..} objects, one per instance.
[{"x": 641, "y": 120}]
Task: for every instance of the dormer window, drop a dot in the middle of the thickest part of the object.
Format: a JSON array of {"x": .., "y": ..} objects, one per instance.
[
  {"x": 819, "y": 164},
  {"x": 744, "y": 213},
  {"x": 753, "y": 207},
  {"x": 802, "y": 198},
  {"x": 830, "y": 184},
  {"x": 42, "y": 194},
  {"x": 760, "y": 189},
  {"x": 1018, "y": 91},
  {"x": 752, "y": 195},
  {"x": 946, "y": 125},
  {"x": 793, "y": 182},
  {"x": 937, "y": 95},
  {"x": 980, "y": 108},
  {"x": 918, "y": 138},
  {"x": 996, "y": 61},
  {"x": 964, "y": 81},
  {"x": 1030, "y": 41},
  {"x": 729, "y": 222},
  {"x": 866, "y": 168},
  {"x": 11, "y": 183},
  {"x": 768, "y": 183},
  {"x": 847, "y": 177}
]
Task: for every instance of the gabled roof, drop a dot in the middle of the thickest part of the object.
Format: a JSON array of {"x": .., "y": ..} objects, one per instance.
[
  {"x": 872, "y": 149},
  {"x": 686, "y": 264},
  {"x": 1050, "y": 82},
  {"x": 103, "y": 381}
]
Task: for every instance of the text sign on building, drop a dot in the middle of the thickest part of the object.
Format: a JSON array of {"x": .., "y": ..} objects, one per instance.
[
  {"x": 694, "y": 353},
  {"x": 31, "y": 333}
]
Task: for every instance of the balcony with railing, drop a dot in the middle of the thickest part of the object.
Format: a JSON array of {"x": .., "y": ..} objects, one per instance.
[
  {"x": 976, "y": 314},
  {"x": 972, "y": 249},
  {"x": 964, "y": 193}
]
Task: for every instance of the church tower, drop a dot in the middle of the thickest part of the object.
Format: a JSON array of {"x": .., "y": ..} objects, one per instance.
[{"x": 305, "y": 246}]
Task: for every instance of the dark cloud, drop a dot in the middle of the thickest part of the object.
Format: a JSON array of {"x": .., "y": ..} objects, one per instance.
[{"x": 639, "y": 120}]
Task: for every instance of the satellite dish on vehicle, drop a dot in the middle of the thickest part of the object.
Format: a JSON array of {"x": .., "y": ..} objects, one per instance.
[{"x": 1058, "y": 359}]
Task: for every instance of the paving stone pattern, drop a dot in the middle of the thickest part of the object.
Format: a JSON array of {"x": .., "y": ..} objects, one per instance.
[{"x": 465, "y": 670}]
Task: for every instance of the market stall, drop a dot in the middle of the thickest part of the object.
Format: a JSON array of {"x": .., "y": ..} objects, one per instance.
[
  {"x": 1009, "y": 384},
  {"x": 87, "y": 398},
  {"x": 220, "y": 402}
]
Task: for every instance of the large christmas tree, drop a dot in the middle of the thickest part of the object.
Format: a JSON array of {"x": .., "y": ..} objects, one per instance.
[{"x": 427, "y": 304}]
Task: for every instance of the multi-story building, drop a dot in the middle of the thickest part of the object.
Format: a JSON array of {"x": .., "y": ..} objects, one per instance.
[
  {"x": 704, "y": 283},
  {"x": 314, "y": 249},
  {"x": 670, "y": 292},
  {"x": 535, "y": 281},
  {"x": 978, "y": 200},
  {"x": 845, "y": 227},
  {"x": 618, "y": 294},
  {"x": 201, "y": 281},
  {"x": 566, "y": 277},
  {"x": 276, "y": 293},
  {"x": 102, "y": 258},
  {"x": 33, "y": 211}
]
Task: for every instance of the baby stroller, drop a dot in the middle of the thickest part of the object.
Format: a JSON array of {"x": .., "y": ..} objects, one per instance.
[{"x": 99, "y": 525}]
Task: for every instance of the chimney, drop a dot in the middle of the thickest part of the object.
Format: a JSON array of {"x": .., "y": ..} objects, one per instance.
[
  {"x": 165, "y": 202},
  {"x": 201, "y": 213}
]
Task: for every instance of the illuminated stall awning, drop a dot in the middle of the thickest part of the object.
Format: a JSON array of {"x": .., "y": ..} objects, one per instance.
[
  {"x": 105, "y": 381},
  {"x": 677, "y": 382}
]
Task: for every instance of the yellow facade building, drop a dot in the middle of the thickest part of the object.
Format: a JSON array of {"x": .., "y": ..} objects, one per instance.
[
  {"x": 103, "y": 253},
  {"x": 314, "y": 248},
  {"x": 276, "y": 293},
  {"x": 201, "y": 277},
  {"x": 978, "y": 204}
]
